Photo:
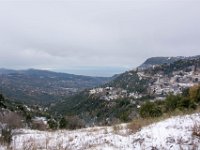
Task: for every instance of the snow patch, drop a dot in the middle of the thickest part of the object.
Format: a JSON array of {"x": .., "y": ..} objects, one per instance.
[{"x": 171, "y": 134}]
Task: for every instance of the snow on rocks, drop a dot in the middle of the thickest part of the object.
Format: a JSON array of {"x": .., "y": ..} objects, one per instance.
[{"x": 171, "y": 134}]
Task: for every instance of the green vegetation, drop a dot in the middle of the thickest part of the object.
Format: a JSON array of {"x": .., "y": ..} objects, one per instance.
[
  {"x": 18, "y": 115},
  {"x": 93, "y": 110},
  {"x": 131, "y": 82},
  {"x": 6, "y": 136},
  {"x": 194, "y": 93},
  {"x": 172, "y": 106},
  {"x": 63, "y": 123},
  {"x": 172, "y": 103},
  {"x": 167, "y": 69},
  {"x": 150, "y": 109},
  {"x": 159, "y": 61},
  {"x": 52, "y": 124}
]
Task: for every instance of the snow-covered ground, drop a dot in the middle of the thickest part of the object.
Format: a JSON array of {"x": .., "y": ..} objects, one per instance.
[{"x": 171, "y": 134}]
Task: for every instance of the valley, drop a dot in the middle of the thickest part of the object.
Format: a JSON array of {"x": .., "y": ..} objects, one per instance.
[
  {"x": 119, "y": 107},
  {"x": 44, "y": 87}
]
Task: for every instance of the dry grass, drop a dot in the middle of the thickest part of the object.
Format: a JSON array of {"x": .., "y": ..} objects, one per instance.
[
  {"x": 137, "y": 124},
  {"x": 105, "y": 131},
  {"x": 117, "y": 128},
  {"x": 47, "y": 141}
]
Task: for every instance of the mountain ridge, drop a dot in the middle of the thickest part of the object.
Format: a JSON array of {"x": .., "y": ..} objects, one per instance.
[{"x": 150, "y": 62}]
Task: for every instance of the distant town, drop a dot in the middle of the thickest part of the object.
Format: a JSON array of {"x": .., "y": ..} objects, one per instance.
[{"x": 160, "y": 87}]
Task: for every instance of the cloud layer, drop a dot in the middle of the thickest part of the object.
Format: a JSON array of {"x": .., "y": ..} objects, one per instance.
[{"x": 63, "y": 35}]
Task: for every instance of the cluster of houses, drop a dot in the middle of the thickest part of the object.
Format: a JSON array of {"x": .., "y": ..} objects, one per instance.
[
  {"x": 161, "y": 86},
  {"x": 112, "y": 93},
  {"x": 174, "y": 84}
]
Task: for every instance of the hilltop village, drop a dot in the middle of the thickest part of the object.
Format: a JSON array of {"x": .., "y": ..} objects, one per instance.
[{"x": 159, "y": 85}]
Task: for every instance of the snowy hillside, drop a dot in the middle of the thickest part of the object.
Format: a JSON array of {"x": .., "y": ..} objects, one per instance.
[{"x": 174, "y": 133}]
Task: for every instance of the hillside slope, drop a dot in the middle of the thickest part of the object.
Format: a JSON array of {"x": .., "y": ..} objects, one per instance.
[
  {"x": 174, "y": 133},
  {"x": 118, "y": 100}
]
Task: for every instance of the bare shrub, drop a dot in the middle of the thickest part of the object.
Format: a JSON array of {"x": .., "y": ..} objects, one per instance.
[
  {"x": 74, "y": 122},
  {"x": 6, "y": 136},
  {"x": 138, "y": 123},
  {"x": 195, "y": 146},
  {"x": 105, "y": 131},
  {"x": 117, "y": 128},
  {"x": 39, "y": 126},
  {"x": 11, "y": 119},
  {"x": 196, "y": 130}
]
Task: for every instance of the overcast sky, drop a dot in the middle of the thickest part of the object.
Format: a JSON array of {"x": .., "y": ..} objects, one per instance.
[{"x": 95, "y": 37}]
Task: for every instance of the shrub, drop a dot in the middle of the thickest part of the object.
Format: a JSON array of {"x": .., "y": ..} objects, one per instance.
[
  {"x": 6, "y": 135},
  {"x": 74, "y": 122},
  {"x": 196, "y": 130},
  {"x": 194, "y": 93},
  {"x": 2, "y": 101},
  {"x": 52, "y": 124},
  {"x": 186, "y": 103},
  {"x": 171, "y": 102},
  {"x": 124, "y": 116},
  {"x": 1, "y": 98},
  {"x": 39, "y": 126},
  {"x": 28, "y": 118},
  {"x": 124, "y": 102},
  {"x": 185, "y": 92},
  {"x": 150, "y": 109},
  {"x": 12, "y": 119},
  {"x": 63, "y": 123},
  {"x": 174, "y": 102}
]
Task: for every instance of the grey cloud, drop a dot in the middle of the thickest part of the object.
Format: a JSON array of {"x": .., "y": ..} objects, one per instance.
[{"x": 83, "y": 33}]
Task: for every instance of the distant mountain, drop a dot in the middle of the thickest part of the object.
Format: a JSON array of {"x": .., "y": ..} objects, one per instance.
[
  {"x": 163, "y": 60},
  {"x": 43, "y": 87}
]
